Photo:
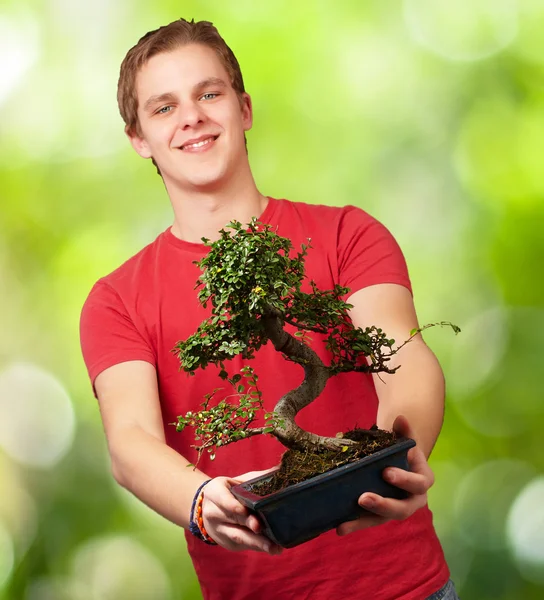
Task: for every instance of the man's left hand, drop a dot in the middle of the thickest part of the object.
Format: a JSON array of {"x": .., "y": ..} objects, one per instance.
[{"x": 416, "y": 482}]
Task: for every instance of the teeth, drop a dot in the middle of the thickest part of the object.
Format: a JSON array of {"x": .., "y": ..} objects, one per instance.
[{"x": 198, "y": 144}]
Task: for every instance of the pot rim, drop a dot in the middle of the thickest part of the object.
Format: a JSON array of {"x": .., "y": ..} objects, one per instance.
[{"x": 402, "y": 444}]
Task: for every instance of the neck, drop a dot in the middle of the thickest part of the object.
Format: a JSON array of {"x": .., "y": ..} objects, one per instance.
[{"x": 202, "y": 213}]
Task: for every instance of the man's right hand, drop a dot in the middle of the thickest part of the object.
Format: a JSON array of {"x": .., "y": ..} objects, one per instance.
[{"x": 228, "y": 522}]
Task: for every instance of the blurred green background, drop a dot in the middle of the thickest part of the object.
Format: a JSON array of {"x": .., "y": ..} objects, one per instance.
[{"x": 428, "y": 114}]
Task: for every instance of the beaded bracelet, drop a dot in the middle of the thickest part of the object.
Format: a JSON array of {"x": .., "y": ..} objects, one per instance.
[{"x": 196, "y": 525}]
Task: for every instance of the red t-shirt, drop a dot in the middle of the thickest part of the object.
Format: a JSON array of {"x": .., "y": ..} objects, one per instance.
[{"x": 143, "y": 308}]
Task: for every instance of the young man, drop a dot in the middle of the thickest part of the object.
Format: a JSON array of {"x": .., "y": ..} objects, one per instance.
[{"x": 182, "y": 97}]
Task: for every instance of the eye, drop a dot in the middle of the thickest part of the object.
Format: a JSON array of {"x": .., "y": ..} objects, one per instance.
[
  {"x": 163, "y": 110},
  {"x": 209, "y": 96}
]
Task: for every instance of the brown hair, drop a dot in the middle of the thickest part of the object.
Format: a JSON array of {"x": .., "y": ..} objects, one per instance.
[{"x": 166, "y": 39}]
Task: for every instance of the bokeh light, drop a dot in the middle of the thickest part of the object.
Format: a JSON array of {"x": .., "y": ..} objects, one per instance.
[
  {"x": 484, "y": 498},
  {"x": 18, "y": 511},
  {"x": 37, "y": 419},
  {"x": 464, "y": 30},
  {"x": 484, "y": 336},
  {"x": 57, "y": 588},
  {"x": 493, "y": 393},
  {"x": 19, "y": 48},
  {"x": 118, "y": 568},
  {"x": 525, "y": 530}
]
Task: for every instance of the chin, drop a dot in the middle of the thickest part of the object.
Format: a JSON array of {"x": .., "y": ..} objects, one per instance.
[
  {"x": 203, "y": 182},
  {"x": 207, "y": 181}
]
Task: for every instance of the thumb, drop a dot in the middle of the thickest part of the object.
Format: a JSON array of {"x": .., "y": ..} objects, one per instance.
[
  {"x": 402, "y": 428},
  {"x": 253, "y": 474}
]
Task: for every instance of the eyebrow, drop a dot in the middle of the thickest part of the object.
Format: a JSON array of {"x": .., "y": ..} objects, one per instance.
[
  {"x": 215, "y": 81},
  {"x": 167, "y": 97},
  {"x": 170, "y": 96}
]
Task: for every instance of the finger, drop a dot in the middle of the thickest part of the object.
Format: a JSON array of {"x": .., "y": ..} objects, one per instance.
[
  {"x": 418, "y": 461},
  {"x": 419, "y": 465},
  {"x": 214, "y": 511},
  {"x": 252, "y": 522},
  {"x": 253, "y": 474},
  {"x": 237, "y": 539},
  {"x": 391, "y": 508},
  {"x": 217, "y": 519},
  {"x": 363, "y": 522},
  {"x": 416, "y": 457},
  {"x": 414, "y": 483},
  {"x": 219, "y": 503}
]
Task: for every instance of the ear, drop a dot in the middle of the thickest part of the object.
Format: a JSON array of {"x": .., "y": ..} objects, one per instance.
[
  {"x": 247, "y": 111},
  {"x": 138, "y": 143}
]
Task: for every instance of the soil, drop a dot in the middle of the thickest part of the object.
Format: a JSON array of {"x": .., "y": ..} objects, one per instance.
[{"x": 297, "y": 466}]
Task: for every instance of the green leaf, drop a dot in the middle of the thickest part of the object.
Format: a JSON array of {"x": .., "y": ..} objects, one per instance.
[{"x": 249, "y": 270}]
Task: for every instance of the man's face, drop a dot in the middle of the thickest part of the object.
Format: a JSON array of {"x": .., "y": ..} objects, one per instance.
[{"x": 191, "y": 120}]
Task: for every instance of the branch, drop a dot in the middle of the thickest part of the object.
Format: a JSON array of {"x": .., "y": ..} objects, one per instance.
[
  {"x": 322, "y": 330},
  {"x": 255, "y": 431},
  {"x": 416, "y": 332},
  {"x": 316, "y": 373}
]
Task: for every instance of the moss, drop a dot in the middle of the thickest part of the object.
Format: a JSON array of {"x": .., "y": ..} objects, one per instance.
[{"x": 297, "y": 466}]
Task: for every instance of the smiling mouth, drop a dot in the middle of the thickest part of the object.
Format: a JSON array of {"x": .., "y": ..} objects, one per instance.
[{"x": 200, "y": 144}]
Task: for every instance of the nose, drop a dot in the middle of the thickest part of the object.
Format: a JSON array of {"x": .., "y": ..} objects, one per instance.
[{"x": 191, "y": 115}]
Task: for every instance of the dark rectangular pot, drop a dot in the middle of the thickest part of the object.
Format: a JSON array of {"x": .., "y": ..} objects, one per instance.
[{"x": 303, "y": 511}]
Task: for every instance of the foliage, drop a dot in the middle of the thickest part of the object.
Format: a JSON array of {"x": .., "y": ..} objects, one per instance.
[
  {"x": 223, "y": 423},
  {"x": 248, "y": 273},
  {"x": 244, "y": 273},
  {"x": 254, "y": 287}
]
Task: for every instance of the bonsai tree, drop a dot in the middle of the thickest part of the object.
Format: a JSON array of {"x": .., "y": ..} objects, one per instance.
[{"x": 252, "y": 278}]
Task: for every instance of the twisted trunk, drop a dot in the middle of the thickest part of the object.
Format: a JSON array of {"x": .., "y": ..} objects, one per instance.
[{"x": 316, "y": 375}]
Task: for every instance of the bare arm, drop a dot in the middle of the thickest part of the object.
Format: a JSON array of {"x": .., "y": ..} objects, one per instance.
[
  {"x": 417, "y": 389},
  {"x": 411, "y": 401},
  {"x": 140, "y": 459},
  {"x": 155, "y": 473}
]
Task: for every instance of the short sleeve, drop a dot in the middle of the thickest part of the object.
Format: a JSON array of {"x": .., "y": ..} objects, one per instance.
[
  {"x": 108, "y": 334},
  {"x": 368, "y": 254}
]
